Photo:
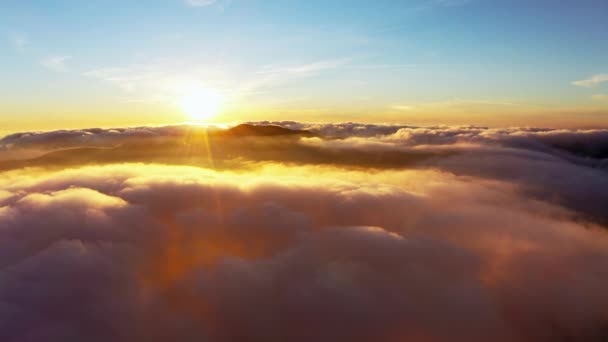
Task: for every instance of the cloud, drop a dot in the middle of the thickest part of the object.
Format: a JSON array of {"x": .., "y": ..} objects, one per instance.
[
  {"x": 302, "y": 231},
  {"x": 402, "y": 108},
  {"x": 162, "y": 81},
  {"x": 159, "y": 82},
  {"x": 448, "y": 3},
  {"x": 433, "y": 4},
  {"x": 210, "y": 255},
  {"x": 600, "y": 97},
  {"x": 592, "y": 81},
  {"x": 305, "y": 69},
  {"x": 19, "y": 40},
  {"x": 56, "y": 62},
  {"x": 200, "y": 3}
]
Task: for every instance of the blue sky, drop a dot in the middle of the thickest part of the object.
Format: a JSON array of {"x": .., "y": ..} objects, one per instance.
[{"x": 385, "y": 60}]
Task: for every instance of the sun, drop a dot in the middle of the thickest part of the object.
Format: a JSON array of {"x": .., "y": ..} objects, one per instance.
[{"x": 201, "y": 103}]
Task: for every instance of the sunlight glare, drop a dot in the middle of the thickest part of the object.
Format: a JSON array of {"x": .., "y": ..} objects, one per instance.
[{"x": 200, "y": 103}]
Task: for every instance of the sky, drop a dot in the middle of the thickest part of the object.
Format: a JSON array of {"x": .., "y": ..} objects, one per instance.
[{"x": 74, "y": 64}]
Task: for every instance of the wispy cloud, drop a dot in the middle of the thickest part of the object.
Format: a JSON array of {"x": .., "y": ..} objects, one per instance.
[
  {"x": 157, "y": 80},
  {"x": 305, "y": 69},
  {"x": 18, "y": 40},
  {"x": 448, "y": 3},
  {"x": 457, "y": 103},
  {"x": 402, "y": 108},
  {"x": 600, "y": 97},
  {"x": 431, "y": 4},
  {"x": 592, "y": 81},
  {"x": 166, "y": 80},
  {"x": 56, "y": 62},
  {"x": 272, "y": 76},
  {"x": 200, "y": 3}
]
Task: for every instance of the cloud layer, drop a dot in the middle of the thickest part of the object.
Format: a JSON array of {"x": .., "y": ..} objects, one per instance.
[
  {"x": 304, "y": 232},
  {"x": 592, "y": 81}
]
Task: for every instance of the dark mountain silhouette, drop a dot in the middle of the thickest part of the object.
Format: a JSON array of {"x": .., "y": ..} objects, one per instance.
[{"x": 262, "y": 130}]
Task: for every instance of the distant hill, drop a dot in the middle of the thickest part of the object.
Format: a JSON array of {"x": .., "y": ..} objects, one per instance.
[{"x": 262, "y": 130}]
